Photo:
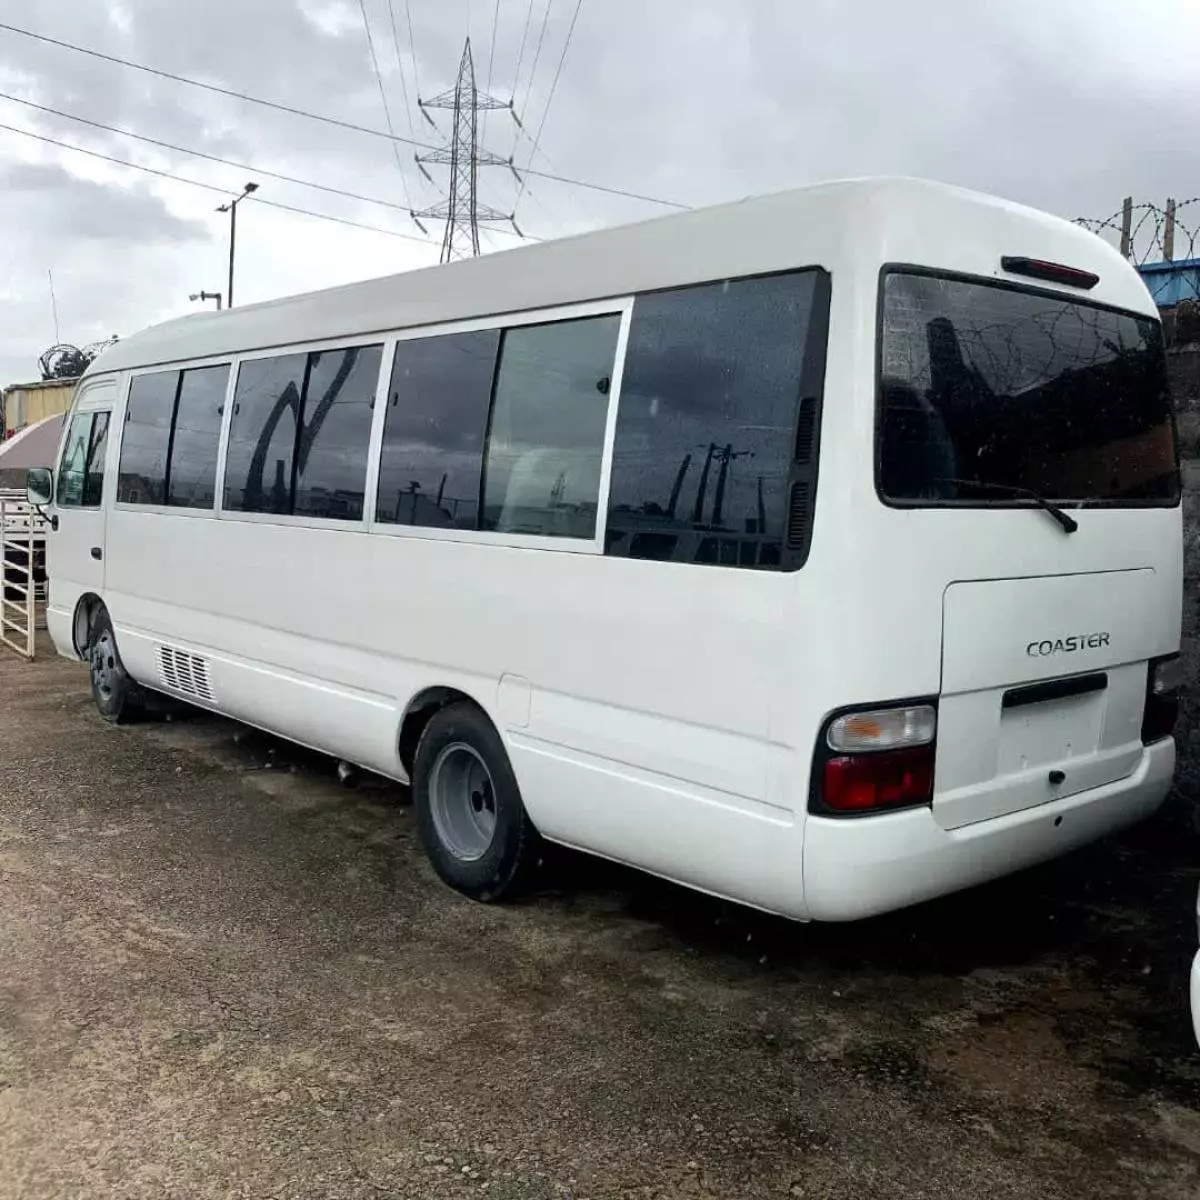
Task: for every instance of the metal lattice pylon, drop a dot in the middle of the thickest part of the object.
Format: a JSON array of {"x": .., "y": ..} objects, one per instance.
[{"x": 461, "y": 209}]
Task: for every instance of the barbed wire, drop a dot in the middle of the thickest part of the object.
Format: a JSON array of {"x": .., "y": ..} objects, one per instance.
[
  {"x": 1143, "y": 233},
  {"x": 1147, "y": 231}
]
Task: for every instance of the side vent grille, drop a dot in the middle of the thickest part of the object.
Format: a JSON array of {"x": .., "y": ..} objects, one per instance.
[
  {"x": 806, "y": 428},
  {"x": 184, "y": 672},
  {"x": 797, "y": 528}
]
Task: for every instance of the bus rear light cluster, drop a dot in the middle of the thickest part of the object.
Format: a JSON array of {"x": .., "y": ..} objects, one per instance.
[
  {"x": 1164, "y": 681},
  {"x": 876, "y": 760}
]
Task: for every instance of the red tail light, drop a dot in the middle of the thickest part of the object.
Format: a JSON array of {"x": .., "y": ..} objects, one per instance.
[
  {"x": 881, "y": 780},
  {"x": 1164, "y": 679}
]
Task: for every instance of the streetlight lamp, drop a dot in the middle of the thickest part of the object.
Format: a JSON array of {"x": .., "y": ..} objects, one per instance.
[
  {"x": 207, "y": 296},
  {"x": 231, "y": 209}
]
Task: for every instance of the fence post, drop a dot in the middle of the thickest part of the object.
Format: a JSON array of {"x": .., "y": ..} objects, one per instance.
[{"x": 1126, "y": 225}]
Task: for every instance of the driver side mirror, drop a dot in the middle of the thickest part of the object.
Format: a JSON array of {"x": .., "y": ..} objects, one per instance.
[{"x": 39, "y": 486}]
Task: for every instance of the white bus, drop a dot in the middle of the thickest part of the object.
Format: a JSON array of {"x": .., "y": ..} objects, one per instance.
[{"x": 820, "y": 551}]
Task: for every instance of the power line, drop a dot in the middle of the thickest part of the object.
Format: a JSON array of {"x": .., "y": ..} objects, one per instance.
[
  {"x": 387, "y": 112},
  {"x": 212, "y": 187},
  {"x": 550, "y": 98},
  {"x": 225, "y": 162},
  {"x": 326, "y": 120},
  {"x": 492, "y": 53},
  {"x": 521, "y": 51},
  {"x": 537, "y": 55},
  {"x": 400, "y": 67},
  {"x": 412, "y": 47}
]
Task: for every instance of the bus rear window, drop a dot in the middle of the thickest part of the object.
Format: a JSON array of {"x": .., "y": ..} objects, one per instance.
[{"x": 988, "y": 391}]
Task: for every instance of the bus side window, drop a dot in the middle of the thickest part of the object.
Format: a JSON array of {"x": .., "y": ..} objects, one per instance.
[
  {"x": 549, "y": 412},
  {"x": 708, "y": 428},
  {"x": 81, "y": 470},
  {"x": 298, "y": 440},
  {"x": 434, "y": 430}
]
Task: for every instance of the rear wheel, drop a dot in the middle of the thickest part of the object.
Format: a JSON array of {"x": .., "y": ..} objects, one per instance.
[
  {"x": 470, "y": 816},
  {"x": 118, "y": 698}
]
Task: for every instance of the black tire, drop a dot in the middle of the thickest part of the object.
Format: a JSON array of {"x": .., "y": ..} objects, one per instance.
[
  {"x": 118, "y": 698},
  {"x": 457, "y": 740}
]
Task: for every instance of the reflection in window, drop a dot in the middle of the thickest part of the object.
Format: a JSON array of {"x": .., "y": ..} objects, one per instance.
[
  {"x": 93, "y": 480},
  {"x": 146, "y": 440},
  {"x": 300, "y": 431},
  {"x": 542, "y": 473},
  {"x": 707, "y": 424},
  {"x": 81, "y": 468},
  {"x": 262, "y": 434},
  {"x": 73, "y": 465},
  {"x": 986, "y": 390},
  {"x": 434, "y": 430},
  {"x": 195, "y": 434},
  {"x": 331, "y": 464}
]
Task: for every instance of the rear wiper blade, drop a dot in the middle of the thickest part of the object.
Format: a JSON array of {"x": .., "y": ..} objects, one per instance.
[{"x": 1064, "y": 518}]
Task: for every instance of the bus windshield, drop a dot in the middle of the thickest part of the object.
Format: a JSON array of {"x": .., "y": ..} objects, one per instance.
[{"x": 989, "y": 390}]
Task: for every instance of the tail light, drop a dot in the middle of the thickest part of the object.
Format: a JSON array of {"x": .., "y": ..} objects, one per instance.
[
  {"x": 876, "y": 760},
  {"x": 1164, "y": 680}
]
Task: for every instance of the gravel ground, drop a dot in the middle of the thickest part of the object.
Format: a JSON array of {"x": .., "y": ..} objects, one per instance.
[{"x": 222, "y": 974}]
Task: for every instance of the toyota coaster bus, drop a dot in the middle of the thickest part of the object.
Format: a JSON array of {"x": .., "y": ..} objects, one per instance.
[{"x": 820, "y": 551}]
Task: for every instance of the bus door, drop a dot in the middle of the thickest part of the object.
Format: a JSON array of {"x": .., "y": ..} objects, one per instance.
[{"x": 75, "y": 557}]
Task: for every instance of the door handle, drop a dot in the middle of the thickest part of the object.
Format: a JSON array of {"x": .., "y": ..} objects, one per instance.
[{"x": 97, "y": 552}]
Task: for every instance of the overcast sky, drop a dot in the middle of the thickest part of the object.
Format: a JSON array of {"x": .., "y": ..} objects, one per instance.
[{"x": 1064, "y": 104}]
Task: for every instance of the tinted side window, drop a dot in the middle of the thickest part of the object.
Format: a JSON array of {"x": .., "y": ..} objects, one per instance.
[
  {"x": 145, "y": 443},
  {"x": 192, "y": 468},
  {"x": 93, "y": 479},
  {"x": 262, "y": 434},
  {"x": 72, "y": 466},
  {"x": 331, "y": 467},
  {"x": 434, "y": 430},
  {"x": 542, "y": 473},
  {"x": 81, "y": 469},
  {"x": 707, "y": 435}
]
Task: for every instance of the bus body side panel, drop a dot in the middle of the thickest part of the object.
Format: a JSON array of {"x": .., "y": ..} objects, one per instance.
[{"x": 644, "y": 742}]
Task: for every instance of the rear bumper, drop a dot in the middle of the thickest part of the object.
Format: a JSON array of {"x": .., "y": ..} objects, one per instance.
[{"x": 861, "y": 867}]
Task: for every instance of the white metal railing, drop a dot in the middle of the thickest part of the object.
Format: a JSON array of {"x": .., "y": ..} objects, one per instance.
[{"x": 22, "y": 542}]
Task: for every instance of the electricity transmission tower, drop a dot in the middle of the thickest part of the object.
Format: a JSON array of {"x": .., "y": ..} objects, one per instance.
[{"x": 461, "y": 209}]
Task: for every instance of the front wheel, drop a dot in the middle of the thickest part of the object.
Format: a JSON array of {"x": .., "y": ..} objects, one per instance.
[
  {"x": 118, "y": 698},
  {"x": 469, "y": 812}
]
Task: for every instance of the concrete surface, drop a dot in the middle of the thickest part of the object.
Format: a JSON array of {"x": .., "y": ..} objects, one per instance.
[{"x": 221, "y": 974}]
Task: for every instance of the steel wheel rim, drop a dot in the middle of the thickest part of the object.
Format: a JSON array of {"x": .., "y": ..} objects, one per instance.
[
  {"x": 462, "y": 802},
  {"x": 104, "y": 664}
]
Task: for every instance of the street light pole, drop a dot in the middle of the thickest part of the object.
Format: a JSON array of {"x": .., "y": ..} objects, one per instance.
[
  {"x": 231, "y": 209},
  {"x": 207, "y": 296}
]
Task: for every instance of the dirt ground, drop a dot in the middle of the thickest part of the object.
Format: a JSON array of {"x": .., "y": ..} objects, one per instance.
[{"x": 222, "y": 974}]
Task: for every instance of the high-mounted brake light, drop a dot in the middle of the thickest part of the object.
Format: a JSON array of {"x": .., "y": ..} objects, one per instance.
[
  {"x": 1039, "y": 268},
  {"x": 876, "y": 759}
]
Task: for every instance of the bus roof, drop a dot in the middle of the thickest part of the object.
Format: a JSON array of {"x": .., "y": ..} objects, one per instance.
[{"x": 855, "y": 224}]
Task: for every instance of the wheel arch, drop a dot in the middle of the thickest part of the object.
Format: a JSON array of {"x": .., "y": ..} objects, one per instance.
[
  {"x": 86, "y": 608},
  {"x": 421, "y": 709}
]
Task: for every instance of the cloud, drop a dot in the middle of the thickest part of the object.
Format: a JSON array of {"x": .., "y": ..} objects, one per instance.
[
  {"x": 1069, "y": 106},
  {"x": 49, "y": 194}
]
